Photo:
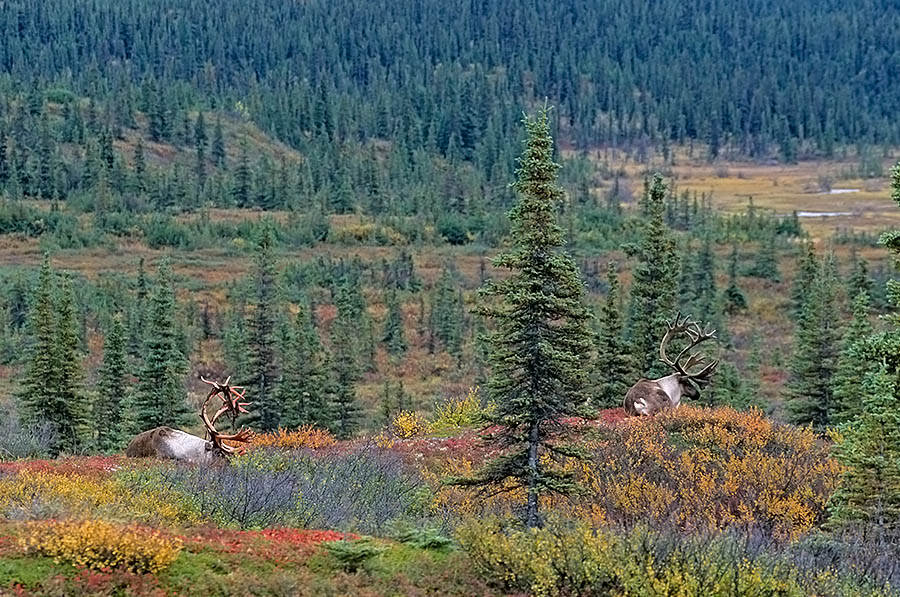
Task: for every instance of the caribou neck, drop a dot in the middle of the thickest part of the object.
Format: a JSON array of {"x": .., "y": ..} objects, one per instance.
[{"x": 671, "y": 385}]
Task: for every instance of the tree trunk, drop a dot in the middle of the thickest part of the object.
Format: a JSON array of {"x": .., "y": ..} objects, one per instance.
[{"x": 532, "y": 519}]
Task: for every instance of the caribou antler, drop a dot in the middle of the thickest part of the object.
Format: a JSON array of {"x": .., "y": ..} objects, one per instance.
[
  {"x": 231, "y": 403},
  {"x": 231, "y": 397},
  {"x": 686, "y": 325}
]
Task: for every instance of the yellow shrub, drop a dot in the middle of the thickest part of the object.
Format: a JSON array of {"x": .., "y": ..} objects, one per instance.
[
  {"x": 98, "y": 544},
  {"x": 307, "y": 436},
  {"x": 42, "y": 493},
  {"x": 408, "y": 424},
  {"x": 574, "y": 559},
  {"x": 462, "y": 411},
  {"x": 709, "y": 468}
]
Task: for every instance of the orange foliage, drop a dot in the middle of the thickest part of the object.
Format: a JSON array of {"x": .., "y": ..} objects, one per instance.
[
  {"x": 709, "y": 468},
  {"x": 694, "y": 467},
  {"x": 307, "y": 436}
]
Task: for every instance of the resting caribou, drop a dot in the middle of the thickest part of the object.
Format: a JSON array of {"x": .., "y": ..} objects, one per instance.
[
  {"x": 650, "y": 396},
  {"x": 165, "y": 442}
]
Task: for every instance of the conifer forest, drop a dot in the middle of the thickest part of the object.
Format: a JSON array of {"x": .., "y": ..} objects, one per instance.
[{"x": 467, "y": 298}]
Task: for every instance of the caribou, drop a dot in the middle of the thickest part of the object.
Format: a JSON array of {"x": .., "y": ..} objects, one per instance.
[
  {"x": 174, "y": 444},
  {"x": 651, "y": 396}
]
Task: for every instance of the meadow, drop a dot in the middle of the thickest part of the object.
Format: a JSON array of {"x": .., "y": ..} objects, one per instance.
[{"x": 694, "y": 502}]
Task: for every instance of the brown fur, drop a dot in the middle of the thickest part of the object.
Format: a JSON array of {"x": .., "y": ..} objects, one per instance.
[
  {"x": 650, "y": 393},
  {"x": 145, "y": 444}
]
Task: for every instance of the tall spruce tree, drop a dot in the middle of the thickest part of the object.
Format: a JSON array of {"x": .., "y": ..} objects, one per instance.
[
  {"x": 303, "y": 385},
  {"x": 37, "y": 387},
  {"x": 52, "y": 390},
  {"x": 852, "y": 364},
  {"x": 68, "y": 373},
  {"x": 706, "y": 303},
  {"x": 654, "y": 284},
  {"x": 345, "y": 410},
  {"x": 870, "y": 449},
  {"x": 614, "y": 369},
  {"x": 541, "y": 343},
  {"x": 814, "y": 360},
  {"x": 870, "y": 452},
  {"x": 108, "y": 413},
  {"x": 263, "y": 369},
  {"x": 160, "y": 397},
  {"x": 218, "y": 144},
  {"x": 200, "y": 143}
]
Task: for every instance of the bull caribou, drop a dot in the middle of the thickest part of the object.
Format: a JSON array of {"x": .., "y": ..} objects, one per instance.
[
  {"x": 650, "y": 396},
  {"x": 165, "y": 442}
]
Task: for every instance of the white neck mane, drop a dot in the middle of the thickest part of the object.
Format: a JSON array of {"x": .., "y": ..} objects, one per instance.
[{"x": 669, "y": 384}]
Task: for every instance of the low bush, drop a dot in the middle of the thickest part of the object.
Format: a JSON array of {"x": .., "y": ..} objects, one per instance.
[
  {"x": 353, "y": 555},
  {"x": 571, "y": 558},
  {"x": 407, "y": 424},
  {"x": 459, "y": 412},
  {"x": 307, "y": 436},
  {"x": 359, "y": 489},
  {"x": 40, "y": 494},
  {"x": 19, "y": 441},
  {"x": 99, "y": 545},
  {"x": 708, "y": 469}
]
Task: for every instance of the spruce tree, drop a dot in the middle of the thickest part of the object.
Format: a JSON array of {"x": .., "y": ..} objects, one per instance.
[
  {"x": 870, "y": 449},
  {"x": 765, "y": 265},
  {"x": 41, "y": 396},
  {"x": 541, "y": 343},
  {"x": 200, "y": 143},
  {"x": 614, "y": 369},
  {"x": 108, "y": 407},
  {"x": 68, "y": 379},
  {"x": 654, "y": 283},
  {"x": 140, "y": 167},
  {"x": 870, "y": 452},
  {"x": 733, "y": 297},
  {"x": 4, "y": 158},
  {"x": 261, "y": 341},
  {"x": 345, "y": 410},
  {"x": 706, "y": 303},
  {"x": 218, "y": 144},
  {"x": 446, "y": 313},
  {"x": 859, "y": 278},
  {"x": 160, "y": 397},
  {"x": 814, "y": 361},
  {"x": 302, "y": 388},
  {"x": 394, "y": 336},
  {"x": 852, "y": 364},
  {"x": 242, "y": 177},
  {"x": 803, "y": 281}
]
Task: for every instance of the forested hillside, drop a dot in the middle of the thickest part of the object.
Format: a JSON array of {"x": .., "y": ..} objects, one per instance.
[{"x": 445, "y": 85}]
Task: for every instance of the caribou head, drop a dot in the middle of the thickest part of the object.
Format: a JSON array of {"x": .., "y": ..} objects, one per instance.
[
  {"x": 165, "y": 442},
  {"x": 650, "y": 396}
]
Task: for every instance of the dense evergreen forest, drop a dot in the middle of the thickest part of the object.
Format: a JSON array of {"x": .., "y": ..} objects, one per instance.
[{"x": 413, "y": 109}]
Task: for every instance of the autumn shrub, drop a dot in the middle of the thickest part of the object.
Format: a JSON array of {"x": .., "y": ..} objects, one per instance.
[
  {"x": 40, "y": 494},
  {"x": 459, "y": 412},
  {"x": 18, "y": 440},
  {"x": 407, "y": 424},
  {"x": 353, "y": 489},
  {"x": 573, "y": 558},
  {"x": 98, "y": 545},
  {"x": 307, "y": 436},
  {"x": 708, "y": 468}
]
